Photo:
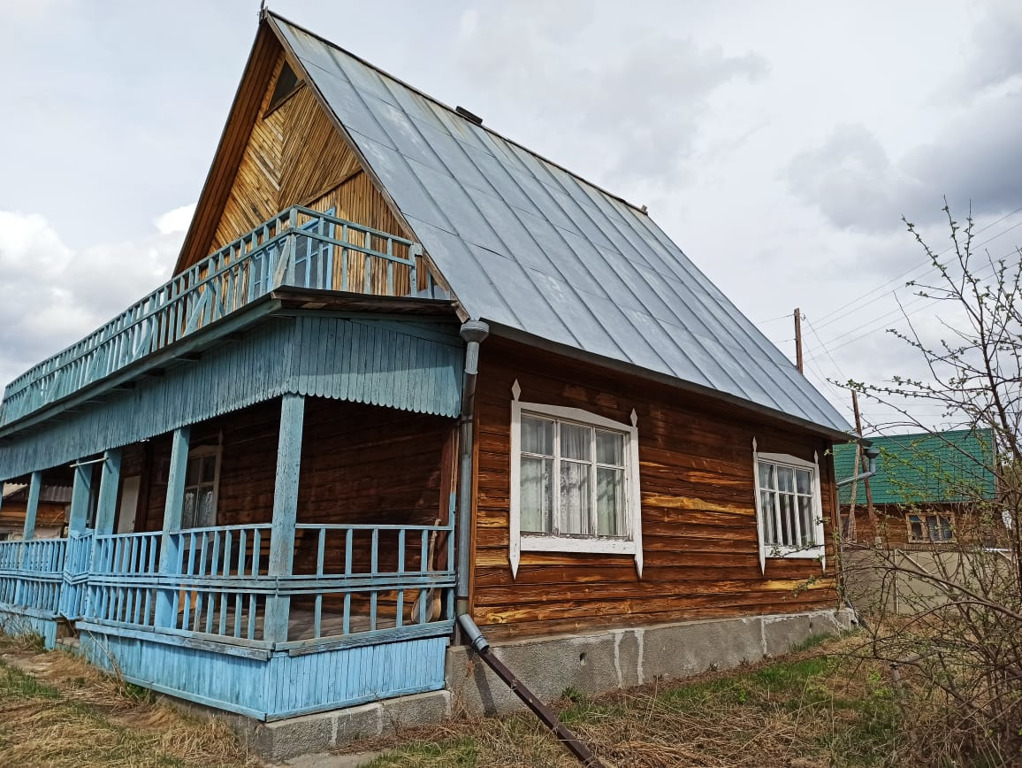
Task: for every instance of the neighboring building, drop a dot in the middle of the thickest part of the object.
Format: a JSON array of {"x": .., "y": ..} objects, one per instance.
[
  {"x": 927, "y": 489},
  {"x": 54, "y": 502},
  {"x": 406, "y": 368}
]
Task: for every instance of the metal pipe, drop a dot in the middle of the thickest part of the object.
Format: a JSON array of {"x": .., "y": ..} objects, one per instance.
[
  {"x": 871, "y": 466},
  {"x": 473, "y": 332},
  {"x": 541, "y": 710}
]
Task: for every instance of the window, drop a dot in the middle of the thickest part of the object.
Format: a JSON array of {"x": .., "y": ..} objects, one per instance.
[
  {"x": 789, "y": 513},
  {"x": 202, "y": 479},
  {"x": 574, "y": 482},
  {"x": 287, "y": 83},
  {"x": 929, "y": 529}
]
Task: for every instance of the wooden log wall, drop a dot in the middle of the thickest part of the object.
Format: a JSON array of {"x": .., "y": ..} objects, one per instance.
[
  {"x": 698, "y": 510},
  {"x": 360, "y": 464}
]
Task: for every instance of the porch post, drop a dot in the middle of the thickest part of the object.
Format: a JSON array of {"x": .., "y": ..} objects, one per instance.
[
  {"x": 76, "y": 559},
  {"x": 32, "y": 507},
  {"x": 109, "y": 483},
  {"x": 170, "y": 556},
  {"x": 285, "y": 512},
  {"x": 81, "y": 493}
]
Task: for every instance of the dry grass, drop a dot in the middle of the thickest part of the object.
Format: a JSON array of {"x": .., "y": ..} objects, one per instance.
[
  {"x": 815, "y": 709},
  {"x": 57, "y": 711}
]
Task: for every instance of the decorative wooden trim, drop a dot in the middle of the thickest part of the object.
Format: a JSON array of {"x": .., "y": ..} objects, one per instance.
[{"x": 630, "y": 544}]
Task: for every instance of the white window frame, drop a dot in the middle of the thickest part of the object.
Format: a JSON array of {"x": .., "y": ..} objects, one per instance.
[
  {"x": 816, "y": 552},
  {"x": 202, "y": 452},
  {"x": 630, "y": 543}
]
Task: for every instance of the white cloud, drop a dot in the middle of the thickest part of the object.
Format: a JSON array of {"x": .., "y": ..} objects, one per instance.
[
  {"x": 176, "y": 220},
  {"x": 51, "y": 295}
]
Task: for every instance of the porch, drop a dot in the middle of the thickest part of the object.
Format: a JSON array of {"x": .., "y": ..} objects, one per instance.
[{"x": 311, "y": 565}]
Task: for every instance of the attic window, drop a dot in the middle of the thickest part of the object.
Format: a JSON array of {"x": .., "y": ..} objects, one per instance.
[{"x": 287, "y": 84}]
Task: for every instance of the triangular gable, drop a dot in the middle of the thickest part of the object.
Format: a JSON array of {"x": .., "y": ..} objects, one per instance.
[
  {"x": 537, "y": 251},
  {"x": 280, "y": 148}
]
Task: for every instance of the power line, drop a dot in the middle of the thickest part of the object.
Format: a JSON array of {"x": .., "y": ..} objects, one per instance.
[
  {"x": 826, "y": 318},
  {"x": 916, "y": 299}
]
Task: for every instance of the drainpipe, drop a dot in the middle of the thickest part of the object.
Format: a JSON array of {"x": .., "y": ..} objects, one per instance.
[
  {"x": 473, "y": 332},
  {"x": 871, "y": 452}
]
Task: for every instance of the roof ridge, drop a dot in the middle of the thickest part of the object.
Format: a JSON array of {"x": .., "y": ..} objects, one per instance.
[{"x": 276, "y": 16}]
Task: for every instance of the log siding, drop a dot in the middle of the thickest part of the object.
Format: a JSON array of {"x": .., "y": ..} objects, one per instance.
[{"x": 701, "y": 555}]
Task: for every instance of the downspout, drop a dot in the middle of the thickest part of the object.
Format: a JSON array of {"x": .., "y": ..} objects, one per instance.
[
  {"x": 871, "y": 452},
  {"x": 473, "y": 332}
]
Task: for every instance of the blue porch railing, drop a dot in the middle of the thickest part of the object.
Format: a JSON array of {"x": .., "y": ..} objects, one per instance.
[
  {"x": 299, "y": 247},
  {"x": 349, "y": 581},
  {"x": 32, "y": 575}
]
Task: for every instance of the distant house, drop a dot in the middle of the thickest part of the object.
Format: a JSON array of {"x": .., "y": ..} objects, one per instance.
[
  {"x": 405, "y": 370},
  {"x": 927, "y": 487},
  {"x": 51, "y": 510}
]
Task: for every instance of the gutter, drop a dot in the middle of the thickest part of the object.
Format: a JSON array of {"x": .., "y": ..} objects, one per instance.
[{"x": 474, "y": 332}]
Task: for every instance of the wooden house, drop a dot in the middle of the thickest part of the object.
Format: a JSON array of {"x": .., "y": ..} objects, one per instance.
[
  {"x": 406, "y": 369},
  {"x": 50, "y": 511},
  {"x": 929, "y": 489}
]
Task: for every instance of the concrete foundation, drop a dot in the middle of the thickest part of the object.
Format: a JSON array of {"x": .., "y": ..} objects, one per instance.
[
  {"x": 622, "y": 658},
  {"x": 589, "y": 663}
]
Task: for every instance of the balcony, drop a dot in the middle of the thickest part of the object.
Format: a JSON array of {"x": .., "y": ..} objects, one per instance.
[{"x": 299, "y": 248}]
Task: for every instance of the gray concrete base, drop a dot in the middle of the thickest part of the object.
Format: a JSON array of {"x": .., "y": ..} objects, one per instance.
[
  {"x": 285, "y": 739},
  {"x": 589, "y": 663},
  {"x": 598, "y": 662}
]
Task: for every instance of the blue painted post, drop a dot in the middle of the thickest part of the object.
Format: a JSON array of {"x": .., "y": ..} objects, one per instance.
[
  {"x": 32, "y": 508},
  {"x": 170, "y": 555},
  {"x": 81, "y": 494},
  {"x": 285, "y": 512},
  {"x": 109, "y": 484},
  {"x": 75, "y": 560}
]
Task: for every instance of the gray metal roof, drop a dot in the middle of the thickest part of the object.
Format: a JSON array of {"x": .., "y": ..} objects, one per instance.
[{"x": 527, "y": 245}]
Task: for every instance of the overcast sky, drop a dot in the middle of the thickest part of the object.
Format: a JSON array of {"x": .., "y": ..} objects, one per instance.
[{"x": 778, "y": 143}]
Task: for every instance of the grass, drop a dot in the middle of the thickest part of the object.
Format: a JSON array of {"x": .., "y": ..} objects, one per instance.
[
  {"x": 814, "y": 709},
  {"x": 56, "y": 711}
]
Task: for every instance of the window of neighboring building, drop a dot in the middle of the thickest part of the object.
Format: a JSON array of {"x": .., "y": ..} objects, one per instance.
[
  {"x": 789, "y": 512},
  {"x": 574, "y": 482},
  {"x": 929, "y": 529},
  {"x": 202, "y": 479}
]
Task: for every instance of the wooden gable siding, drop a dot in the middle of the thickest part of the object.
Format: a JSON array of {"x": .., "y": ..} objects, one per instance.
[
  {"x": 295, "y": 156},
  {"x": 698, "y": 516}
]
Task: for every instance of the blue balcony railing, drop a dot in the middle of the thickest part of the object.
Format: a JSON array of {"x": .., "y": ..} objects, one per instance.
[{"x": 299, "y": 247}]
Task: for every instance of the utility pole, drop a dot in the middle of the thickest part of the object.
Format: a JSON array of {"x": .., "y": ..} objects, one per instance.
[
  {"x": 798, "y": 340},
  {"x": 862, "y": 467}
]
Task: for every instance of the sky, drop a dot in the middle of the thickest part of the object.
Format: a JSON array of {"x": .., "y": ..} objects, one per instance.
[{"x": 779, "y": 144}]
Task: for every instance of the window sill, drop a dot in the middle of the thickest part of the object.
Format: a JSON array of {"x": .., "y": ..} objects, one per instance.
[
  {"x": 786, "y": 553},
  {"x": 606, "y": 546}
]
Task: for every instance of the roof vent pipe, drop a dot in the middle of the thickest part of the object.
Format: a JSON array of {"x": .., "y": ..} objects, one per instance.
[{"x": 473, "y": 332}]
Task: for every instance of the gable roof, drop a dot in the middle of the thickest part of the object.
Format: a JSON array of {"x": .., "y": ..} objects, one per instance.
[
  {"x": 541, "y": 254},
  {"x": 950, "y": 466}
]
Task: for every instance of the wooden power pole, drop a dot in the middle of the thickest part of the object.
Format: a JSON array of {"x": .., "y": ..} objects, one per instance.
[
  {"x": 798, "y": 340},
  {"x": 862, "y": 467}
]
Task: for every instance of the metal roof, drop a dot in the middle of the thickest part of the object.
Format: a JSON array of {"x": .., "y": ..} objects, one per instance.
[
  {"x": 956, "y": 465},
  {"x": 529, "y": 246}
]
